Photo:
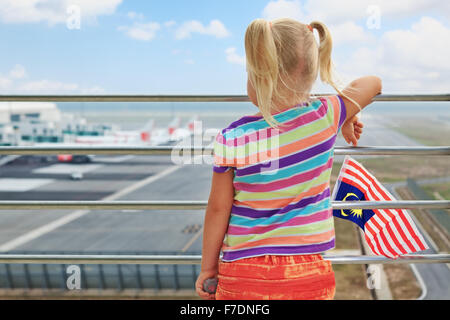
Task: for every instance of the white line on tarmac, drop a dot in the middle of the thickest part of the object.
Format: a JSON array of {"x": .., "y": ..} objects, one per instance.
[
  {"x": 191, "y": 241},
  {"x": 36, "y": 233}
]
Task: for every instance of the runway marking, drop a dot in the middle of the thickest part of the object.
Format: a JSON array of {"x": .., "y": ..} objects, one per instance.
[
  {"x": 33, "y": 234},
  {"x": 38, "y": 232},
  {"x": 422, "y": 284},
  {"x": 190, "y": 242},
  {"x": 21, "y": 184},
  {"x": 67, "y": 168},
  {"x": 115, "y": 159}
]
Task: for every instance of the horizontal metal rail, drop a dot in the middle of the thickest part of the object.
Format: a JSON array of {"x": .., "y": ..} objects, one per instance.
[
  {"x": 199, "y": 205},
  {"x": 168, "y": 150},
  {"x": 195, "y": 98},
  {"x": 196, "y": 259},
  {"x": 193, "y": 205}
]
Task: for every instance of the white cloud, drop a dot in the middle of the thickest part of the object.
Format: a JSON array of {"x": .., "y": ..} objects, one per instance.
[
  {"x": 169, "y": 23},
  {"x": 47, "y": 85},
  {"x": 133, "y": 15},
  {"x": 408, "y": 60},
  {"x": 343, "y": 31},
  {"x": 334, "y": 12},
  {"x": 233, "y": 57},
  {"x": 423, "y": 45},
  {"x": 93, "y": 90},
  {"x": 5, "y": 83},
  {"x": 215, "y": 28},
  {"x": 53, "y": 11},
  {"x": 283, "y": 9},
  {"x": 348, "y": 19},
  {"x": 141, "y": 31},
  {"x": 349, "y": 32},
  {"x": 14, "y": 82},
  {"x": 17, "y": 72},
  {"x": 411, "y": 59}
]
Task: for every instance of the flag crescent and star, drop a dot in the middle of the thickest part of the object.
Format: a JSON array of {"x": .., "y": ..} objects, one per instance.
[{"x": 388, "y": 232}]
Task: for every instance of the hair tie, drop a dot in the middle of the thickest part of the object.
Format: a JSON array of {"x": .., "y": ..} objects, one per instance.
[{"x": 309, "y": 27}]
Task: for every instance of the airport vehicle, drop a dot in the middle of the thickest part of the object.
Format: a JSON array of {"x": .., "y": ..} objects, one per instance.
[
  {"x": 75, "y": 158},
  {"x": 76, "y": 176}
]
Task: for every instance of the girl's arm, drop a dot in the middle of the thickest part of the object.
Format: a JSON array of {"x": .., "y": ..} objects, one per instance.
[
  {"x": 362, "y": 90},
  {"x": 215, "y": 226}
]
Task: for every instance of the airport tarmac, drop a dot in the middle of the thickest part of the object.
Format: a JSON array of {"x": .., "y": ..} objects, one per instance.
[
  {"x": 120, "y": 231},
  {"x": 107, "y": 230},
  {"x": 115, "y": 176}
]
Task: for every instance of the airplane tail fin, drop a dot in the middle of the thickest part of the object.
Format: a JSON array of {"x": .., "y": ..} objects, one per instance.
[
  {"x": 173, "y": 125},
  {"x": 190, "y": 124},
  {"x": 146, "y": 131}
]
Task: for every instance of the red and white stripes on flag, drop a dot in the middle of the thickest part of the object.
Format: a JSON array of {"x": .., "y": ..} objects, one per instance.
[{"x": 389, "y": 232}]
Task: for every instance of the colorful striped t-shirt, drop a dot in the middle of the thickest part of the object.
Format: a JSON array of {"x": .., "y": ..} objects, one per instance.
[{"x": 281, "y": 180}]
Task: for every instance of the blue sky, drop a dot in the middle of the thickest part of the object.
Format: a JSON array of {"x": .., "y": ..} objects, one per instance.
[{"x": 188, "y": 47}]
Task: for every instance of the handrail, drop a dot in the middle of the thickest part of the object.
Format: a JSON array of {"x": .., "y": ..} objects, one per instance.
[
  {"x": 195, "y": 98},
  {"x": 199, "y": 205},
  {"x": 196, "y": 259},
  {"x": 198, "y": 150},
  {"x": 194, "y": 205}
]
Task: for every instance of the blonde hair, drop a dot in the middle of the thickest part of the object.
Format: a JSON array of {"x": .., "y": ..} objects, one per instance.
[{"x": 282, "y": 56}]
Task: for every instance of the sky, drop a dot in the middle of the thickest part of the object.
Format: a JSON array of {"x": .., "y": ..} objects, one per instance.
[{"x": 197, "y": 46}]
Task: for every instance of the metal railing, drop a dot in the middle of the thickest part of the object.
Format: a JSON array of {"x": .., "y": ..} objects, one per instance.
[
  {"x": 202, "y": 150},
  {"x": 196, "y": 259},
  {"x": 194, "y": 98},
  {"x": 192, "y": 205},
  {"x": 198, "y": 205}
]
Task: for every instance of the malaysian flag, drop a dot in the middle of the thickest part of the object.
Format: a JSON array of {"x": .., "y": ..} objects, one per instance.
[{"x": 388, "y": 232}]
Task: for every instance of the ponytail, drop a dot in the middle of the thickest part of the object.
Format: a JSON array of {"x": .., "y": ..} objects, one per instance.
[
  {"x": 326, "y": 67},
  {"x": 262, "y": 65}
]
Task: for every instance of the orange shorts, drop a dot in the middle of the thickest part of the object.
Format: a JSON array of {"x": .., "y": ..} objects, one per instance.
[{"x": 296, "y": 277}]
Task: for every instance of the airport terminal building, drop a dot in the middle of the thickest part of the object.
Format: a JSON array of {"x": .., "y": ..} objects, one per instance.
[{"x": 23, "y": 123}]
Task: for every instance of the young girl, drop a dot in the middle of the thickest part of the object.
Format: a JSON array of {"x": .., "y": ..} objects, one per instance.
[{"x": 269, "y": 208}]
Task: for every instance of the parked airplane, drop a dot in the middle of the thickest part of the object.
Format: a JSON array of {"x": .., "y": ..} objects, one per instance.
[
  {"x": 142, "y": 136},
  {"x": 148, "y": 135},
  {"x": 180, "y": 133}
]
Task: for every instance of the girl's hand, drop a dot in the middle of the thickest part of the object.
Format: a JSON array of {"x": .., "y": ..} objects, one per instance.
[
  {"x": 199, "y": 284},
  {"x": 352, "y": 130}
]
